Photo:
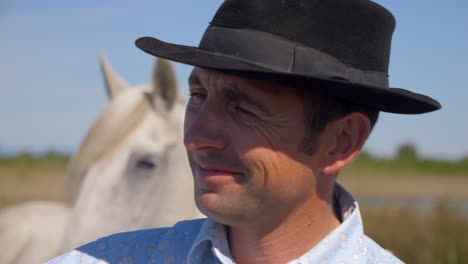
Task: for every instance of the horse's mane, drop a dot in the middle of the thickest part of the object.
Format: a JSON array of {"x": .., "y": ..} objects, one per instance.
[
  {"x": 120, "y": 117},
  {"x": 112, "y": 126}
]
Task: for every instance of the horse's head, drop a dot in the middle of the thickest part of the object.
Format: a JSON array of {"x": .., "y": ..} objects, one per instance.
[{"x": 131, "y": 171}]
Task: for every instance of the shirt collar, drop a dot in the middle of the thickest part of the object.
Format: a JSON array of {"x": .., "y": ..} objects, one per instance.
[
  {"x": 212, "y": 236},
  {"x": 337, "y": 243}
]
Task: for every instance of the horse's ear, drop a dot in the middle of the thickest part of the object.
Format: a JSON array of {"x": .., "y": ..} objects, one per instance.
[
  {"x": 114, "y": 83},
  {"x": 164, "y": 82}
]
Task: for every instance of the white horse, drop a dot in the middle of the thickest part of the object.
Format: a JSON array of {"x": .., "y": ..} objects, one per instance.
[
  {"x": 130, "y": 172},
  {"x": 32, "y": 231},
  {"x": 132, "y": 167}
]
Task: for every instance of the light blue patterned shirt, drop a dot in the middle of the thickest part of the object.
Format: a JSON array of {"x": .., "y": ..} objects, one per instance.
[{"x": 204, "y": 241}]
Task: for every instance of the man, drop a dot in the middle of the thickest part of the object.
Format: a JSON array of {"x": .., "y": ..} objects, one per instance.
[{"x": 283, "y": 96}]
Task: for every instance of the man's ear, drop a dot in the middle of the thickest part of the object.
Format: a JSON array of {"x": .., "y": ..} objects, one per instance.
[{"x": 346, "y": 136}]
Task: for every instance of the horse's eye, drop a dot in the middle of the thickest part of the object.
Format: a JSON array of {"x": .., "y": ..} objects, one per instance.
[{"x": 145, "y": 164}]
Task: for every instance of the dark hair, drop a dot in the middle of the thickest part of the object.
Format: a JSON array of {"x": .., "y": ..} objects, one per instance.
[{"x": 320, "y": 110}]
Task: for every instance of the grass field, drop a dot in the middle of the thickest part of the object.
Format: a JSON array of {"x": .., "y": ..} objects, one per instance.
[
  {"x": 27, "y": 178},
  {"x": 437, "y": 234},
  {"x": 434, "y": 235},
  {"x": 412, "y": 178}
]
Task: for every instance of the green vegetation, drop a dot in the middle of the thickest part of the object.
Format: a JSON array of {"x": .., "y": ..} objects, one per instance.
[
  {"x": 26, "y": 160},
  {"x": 407, "y": 162}
]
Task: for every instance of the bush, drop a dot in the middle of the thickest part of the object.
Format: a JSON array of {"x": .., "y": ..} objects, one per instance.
[{"x": 407, "y": 151}]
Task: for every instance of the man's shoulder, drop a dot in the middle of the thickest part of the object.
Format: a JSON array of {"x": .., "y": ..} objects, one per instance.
[
  {"x": 376, "y": 254},
  {"x": 186, "y": 228},
  {"x": 137, "y": 246}
]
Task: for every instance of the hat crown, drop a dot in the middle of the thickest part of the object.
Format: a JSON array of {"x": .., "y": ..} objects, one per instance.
[
  {"x": 356, "y": 32},
  {"x": 340, "y": 48}
]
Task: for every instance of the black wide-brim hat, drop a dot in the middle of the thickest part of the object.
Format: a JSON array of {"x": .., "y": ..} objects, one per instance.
[{"x": 339, "y": 48}]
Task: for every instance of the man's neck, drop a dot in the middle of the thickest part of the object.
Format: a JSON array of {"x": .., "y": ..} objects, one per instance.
[{"x": 291, "y": 238}]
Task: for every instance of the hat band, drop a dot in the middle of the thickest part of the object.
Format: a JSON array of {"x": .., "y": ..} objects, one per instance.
[{"x": 283, "y": 56}]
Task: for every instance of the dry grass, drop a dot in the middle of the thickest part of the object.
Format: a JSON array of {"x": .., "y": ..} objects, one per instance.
[
  {"x": 416, "y": 235},
  {"x": 434, "y": 236},
  {"x": 31, "y": 182},
  {"x": 388, "y": 185},
  {"x": 23, "y": 184},
  {"x": 430, "y": 236}
]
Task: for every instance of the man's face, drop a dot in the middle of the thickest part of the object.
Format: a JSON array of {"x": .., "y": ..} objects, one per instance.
[{"x": 243, "y": 139}]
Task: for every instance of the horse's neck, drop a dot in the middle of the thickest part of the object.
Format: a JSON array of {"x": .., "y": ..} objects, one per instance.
[{"x": 113, "y": 199}]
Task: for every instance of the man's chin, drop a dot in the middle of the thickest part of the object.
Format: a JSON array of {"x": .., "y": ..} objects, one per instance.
[
  {"x": 220, "y": 210},
  {"x": 207, "y": 202}
]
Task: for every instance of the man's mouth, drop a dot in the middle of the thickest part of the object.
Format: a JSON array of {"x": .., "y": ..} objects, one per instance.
[
  {"x": 214, "y": 171},
  {"x": 216, "y": 168}
]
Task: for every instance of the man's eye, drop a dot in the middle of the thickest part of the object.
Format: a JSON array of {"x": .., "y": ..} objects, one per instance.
[
  {"x": 242, "y": 110},
  {"x": 196, "y": 98},
  {"x": 197, "y": 95}
]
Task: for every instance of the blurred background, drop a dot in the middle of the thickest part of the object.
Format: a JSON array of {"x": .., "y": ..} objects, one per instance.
[{"x": 411, "y": 180}]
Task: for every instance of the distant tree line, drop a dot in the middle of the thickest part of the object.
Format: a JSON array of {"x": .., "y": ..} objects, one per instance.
[
  {"x": 29, "y": 155},
  {"x": 406, "y": 151}
]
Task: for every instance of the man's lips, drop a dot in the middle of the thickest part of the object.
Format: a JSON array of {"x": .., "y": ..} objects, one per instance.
[
  {"x": 214, "y": 171},
  {"x": 215, "y": 167},
  {"x": 204, "y": 170}
]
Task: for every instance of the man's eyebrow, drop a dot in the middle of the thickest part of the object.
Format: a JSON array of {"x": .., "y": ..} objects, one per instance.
[
  {"x": 194, "y": 80},
  {"x": 232, "y": 92}
]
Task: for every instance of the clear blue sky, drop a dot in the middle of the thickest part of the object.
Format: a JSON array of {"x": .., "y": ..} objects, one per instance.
[{"x": 51, "y": 87}]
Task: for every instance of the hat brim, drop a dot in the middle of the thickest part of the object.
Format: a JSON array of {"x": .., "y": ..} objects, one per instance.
[{"x": 391, "y": 100}]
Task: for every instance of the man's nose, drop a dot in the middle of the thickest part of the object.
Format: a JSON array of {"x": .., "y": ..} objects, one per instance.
[{"x": 203, "y": 130}]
